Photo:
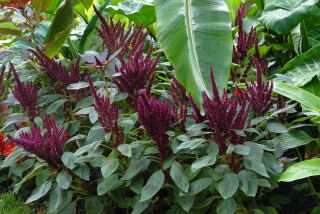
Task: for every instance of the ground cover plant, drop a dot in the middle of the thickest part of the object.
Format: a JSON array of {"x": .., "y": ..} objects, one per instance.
[{"x": 160, "y": 106}]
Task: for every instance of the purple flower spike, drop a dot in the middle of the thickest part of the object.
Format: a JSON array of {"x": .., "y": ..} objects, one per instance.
[
  {"x": 136, "y": 73},
  {"x": 260, "y": 94},
  {"x": 156, "y": 117},
  {"x": 108, "y": 115},
  {"x": 115, "y": 37},
  {"x": 57, "y": 71},
  {"x": 48, "y": 147},
  {"x": 179, "y": 98},
  {"x": 26, "y": 94},
  {"x": 225, "y": 116}
]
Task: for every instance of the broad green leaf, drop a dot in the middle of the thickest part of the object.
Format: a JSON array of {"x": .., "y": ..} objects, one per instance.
[
  {"x": 40, "y": 6},
  {"x": 283, "y": 16},
  {"x": 82, "y": 171},
  {"x": 18, "y": 169},
  {"x": 78, "y": 86},
  {"x": 39, "y": 192},
  {"x": 9, "y": 28},
  {"x": 137, "y": 11},
  {"x": 135, "y": 168},
  {"x": 108, "y": 184},
  {"x": 248, "y": 183},
  {"x": 301, "y": 170},
  {"x": 186, "y": 201},
  {"x": 302, "y": 96},
  {"x": 255, "y": 165},
  {"x": 300, "y": 38},
  {"x": 68, "y": 159},
  {"x": 227, "y": 206},
  {"x": 55, "y": 106},
  {"x": 60, "y": 28},
  {"x": 301, "y": 69},
  {"x": 64, "y": 179},
  {"x": 229, "y": 185},
  {"x": 178, "y": 176},
  {"x": 153, "y": 185},
  {"x": 198, "y": 186},
  {"x": 203, "y": 162},
  {"x": 292, "y": 139},
  {"x": 196, "y": 35},
  {"x": 275, "y": 127},
  {"x": 88, "y": 148},
  {"x": 125, "y": 149},
  {"x": 109, "y": 167},
  {"x": 139, "y": 207}
]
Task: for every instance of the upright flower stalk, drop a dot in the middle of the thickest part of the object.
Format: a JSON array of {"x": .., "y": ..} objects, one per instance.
[
  {"x": 260, "y": 93},
  {"x": 136, "y": 73},
  {"x": 225, "y": 115},
  {"x": 115, "y": 37},
  {"x": 26, "y": 94},
  {"x": 48, "y": 146},
  {"x": 178, "y": 93},
  {"x": 108, "y": 114},
  {"x": 57, "y": 71},
  {"x": 156, "y": 117}
]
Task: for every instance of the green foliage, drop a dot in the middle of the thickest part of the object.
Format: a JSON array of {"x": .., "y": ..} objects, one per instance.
[
  {"x": 195, "y": 39},
  {"x": 10, "y": 204}
]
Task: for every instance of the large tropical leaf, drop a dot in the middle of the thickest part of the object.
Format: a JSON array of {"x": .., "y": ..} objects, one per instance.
[
  {"x": 196, "y": 35},
  {"x": 139, "y": 12},
  {"x": 303, "y": 68},
  {"x": 283, "y": 16},
  {"x": 301, "y": 170},
  {"x": 60, "y": 28},
  {"x": 298, "y": 94}
]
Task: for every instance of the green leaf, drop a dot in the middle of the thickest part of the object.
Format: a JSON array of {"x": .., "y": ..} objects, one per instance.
[
  {"x": 90, "y": 27},
  {"x": 60, "y": 28},
  {"x": 227, "y": 206},
  {"x": 275, "y": 127},
  {"x": 195, "y": 36},
  {"x": 301, "y": 69},
  {"x": 93, "y": 205},
  {"x": 186, "y": 202},
  {"x": 199, "y": 185},
  {"x": 255, "y": 165},
  {"x": 300, "y": 38},
  {"x": 203, "y": 162},
  {"x": 88, "y": 148},
  {"x": 87, "y": 3},
  {"x": 301, "y": 170},
  {"x": 125, "y": 149},
  {"x": 294, "y": 138},
  {"x": 83, "y": 172},
  {"x": 302, "y": 96},
  {"x": 248, "y": 183},
  {"x": 229, "y": 185},
  {"x": 153, "y": 185},
  {"x": 40, "y": 6},
  {"x": 283, "y": 16},
  {"x": 135, "y": 168},
  {"x": 137, "y": 11},
  {"x": 178, "y": 176},
  {"x": 139, "y": 207},
  {"x": 39, "y": 192},
  {"x": 64, "y": 179},
  {"x": 109, "y": 167},
  {"x": 55, "y": 106},
  {"x": 68, "y": 160},
  {"x": 108, "y": 184},
  {"x": 242, "y": 149}
]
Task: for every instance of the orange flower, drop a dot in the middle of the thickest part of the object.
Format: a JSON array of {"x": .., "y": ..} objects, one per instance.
[
  {"x": 4, "y": 108},
  {"x": 14, "y": 3},
  {"x": 24, "y": 123},
  {"x": 238, "y": 91}
]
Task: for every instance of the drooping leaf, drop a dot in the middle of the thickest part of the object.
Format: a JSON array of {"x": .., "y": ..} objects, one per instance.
[
  {"x": 136, "y": 168},
  {"x": 248, "y": 183},
  {"x": 195, "y": 36},
  {"x": 179, "y": 177},
  {"x": 301, "y": 170},
  {"x": 64, "y": 179},
  {"x": 301, "y": 69},
  {"x": 153, "y": 185},
  {"x": 283, "y": 16},
  {"x": 302, "y": 96},
  {"x": 40, "y": 191},
  {"x": 227, "y": 206},
  {"x": 229, "y": 185}
]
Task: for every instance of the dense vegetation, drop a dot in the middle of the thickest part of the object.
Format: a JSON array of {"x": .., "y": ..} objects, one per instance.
[{"x": 160, "y": 106}]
